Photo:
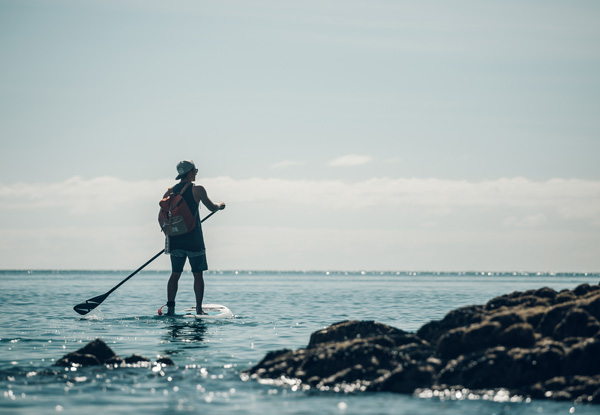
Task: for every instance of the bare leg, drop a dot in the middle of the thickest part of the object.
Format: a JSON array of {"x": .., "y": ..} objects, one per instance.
[
  {"x": 172, "y": 286},
  {"x": 199, "y": 291}
]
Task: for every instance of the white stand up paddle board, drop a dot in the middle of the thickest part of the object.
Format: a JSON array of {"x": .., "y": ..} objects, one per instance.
[{"x": 213, "y": 311}]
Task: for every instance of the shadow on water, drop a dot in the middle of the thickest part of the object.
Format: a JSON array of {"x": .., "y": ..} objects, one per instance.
[{"x": 185, "y": 335}]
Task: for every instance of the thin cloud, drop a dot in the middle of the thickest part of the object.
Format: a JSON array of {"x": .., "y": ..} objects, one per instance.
[
  {"x": 530, "y": 221},
  {"x": 286, "y": 163},
  {"x": 81, "y": 196},
  {"x": 287, "y": 224},
  {"x": 570, "y": 198},
  {"x": 350, "y": 160}
]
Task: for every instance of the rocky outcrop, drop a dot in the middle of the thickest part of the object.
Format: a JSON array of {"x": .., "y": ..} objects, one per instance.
[
  {"x": 97, "y": 353},
  {"x": 537, "y": 343}
]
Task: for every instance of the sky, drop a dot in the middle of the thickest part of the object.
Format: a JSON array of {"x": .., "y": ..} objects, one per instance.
[{"x": 343, "y": 135}]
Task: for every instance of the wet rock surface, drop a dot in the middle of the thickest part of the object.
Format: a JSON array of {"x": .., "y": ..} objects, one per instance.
[
  {"x": 538, "y": 343},
  {"x": 97, "y": 353}
]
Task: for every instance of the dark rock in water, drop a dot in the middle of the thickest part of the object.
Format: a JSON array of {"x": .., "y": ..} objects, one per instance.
[
  {"x": 94, "y": 353},
  {"x": 165, "y": 361},
  {"x": 99, "y": 349},
  {"x": 518, "y": 335},
  {"x": 97, "y": 353},
  {"x": 353, "y": 330},
  {"x": 507, "y": 319},
  {"x": 136, "y": 358},
  {"x": 577, "y": 323},
  {"x": 539, "y": 343},
  {"x": 360, "y": 360},
  {"x": 584, "y": 358},
  {"x": 460, "y": 317},
  {"x": 115, "y": 361},
  {"x": 78, "y": 359}
]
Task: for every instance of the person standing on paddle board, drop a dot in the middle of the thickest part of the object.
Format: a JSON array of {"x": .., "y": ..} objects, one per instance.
[{"x": 189, "y": 245}]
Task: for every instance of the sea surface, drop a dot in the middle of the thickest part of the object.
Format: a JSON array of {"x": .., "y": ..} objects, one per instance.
[{"x": 273, "y": 310}]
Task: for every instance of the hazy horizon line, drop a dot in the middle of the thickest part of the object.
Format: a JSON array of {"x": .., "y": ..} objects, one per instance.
[{"x": 318, "y": 271}]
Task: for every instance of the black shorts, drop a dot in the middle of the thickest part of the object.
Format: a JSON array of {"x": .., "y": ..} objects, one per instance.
[{"x": 197, "y": 262}]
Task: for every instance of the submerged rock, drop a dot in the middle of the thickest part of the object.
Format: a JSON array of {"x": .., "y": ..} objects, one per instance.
[
  {"x": 539, "y": 343},
  {"x": 97, "y": 353}
]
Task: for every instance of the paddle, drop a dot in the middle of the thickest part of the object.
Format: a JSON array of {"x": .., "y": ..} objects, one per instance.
[{"x": 92, "y": 303}]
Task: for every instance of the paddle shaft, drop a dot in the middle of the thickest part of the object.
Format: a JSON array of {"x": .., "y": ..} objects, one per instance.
[
  {"x": 209, "y": 215},
  {"x": 99, "y": 299},
  {"x": 134, "y": 272}
]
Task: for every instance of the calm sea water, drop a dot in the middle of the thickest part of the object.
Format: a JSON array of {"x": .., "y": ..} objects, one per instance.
[{"x": 273, "y": 311}]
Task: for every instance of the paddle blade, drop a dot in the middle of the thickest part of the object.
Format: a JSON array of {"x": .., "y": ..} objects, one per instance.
[{"x": 90, "y": 304}]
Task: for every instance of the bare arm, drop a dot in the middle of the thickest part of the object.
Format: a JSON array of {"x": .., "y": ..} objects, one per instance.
[
  {"x": 200, "y": 195},
  {"x": 169, "y": 191}
]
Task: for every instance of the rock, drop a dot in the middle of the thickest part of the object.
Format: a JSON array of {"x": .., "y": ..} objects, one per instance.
[
  {"x": 460, "y": 317},
  {"x": 539, "y": 343},
  {"x": 135, "y": 359},
  {"x": 564, "y": 296},
  {"x": 483, "y": 370},
  {"x": 94, "y": 353},
  {"x": 481, "y": 336},
  {"x": 584, "y": 388},
  {"x": 593, "y": 308},
  {"x": 348, "y": 330},
  {"x": 576, "y": 323},
  {"x": 523, "y": 299},
  {"x": 545, "y": 360},
  {"x": 517, "y": 335},
  {"x": 595, "y": 398},
  {"x": 78, "y": 359},
  {"x": 166, "y": 361},
  {"x": 507, "y": 319},
  {"x": 115, "y": 361},
  {"x": 546, "y": 292},
  {"x": 405, "y": 379},
  {"x": 534, "y": 315},
  {"x": 99, "y": 349},
  {"x": 584, "y": 358},
  {"x": 97, "y": 353},
  {"x": 552, "y": 317},
  {"x": 582, "y": 289},
  {"x": 450, "y": 344},
  {"x": 365, "y": 359}
]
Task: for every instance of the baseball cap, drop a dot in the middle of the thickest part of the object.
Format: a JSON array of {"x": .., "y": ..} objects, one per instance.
[{"x": 183, "y": 167}]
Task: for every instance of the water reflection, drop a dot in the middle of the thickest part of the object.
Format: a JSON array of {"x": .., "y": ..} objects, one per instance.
[{"x": 189, "y": 333}]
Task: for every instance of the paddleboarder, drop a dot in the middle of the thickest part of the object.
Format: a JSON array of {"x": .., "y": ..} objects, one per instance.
[{"x": 189, "y": 246}]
